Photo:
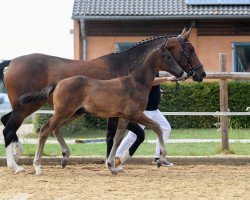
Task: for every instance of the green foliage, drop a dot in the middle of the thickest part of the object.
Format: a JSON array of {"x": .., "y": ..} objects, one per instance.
[
  {"x": 205, "y": 97},
  {"x": 192, "y": 97},
  {"x": 73, "y": 127}
]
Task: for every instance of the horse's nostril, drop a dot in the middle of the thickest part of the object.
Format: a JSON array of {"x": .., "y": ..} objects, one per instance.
[{"x": 204, "y": 74}]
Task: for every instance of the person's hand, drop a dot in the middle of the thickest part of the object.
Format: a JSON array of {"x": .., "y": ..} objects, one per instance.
[{"x": 171, "y": 78}]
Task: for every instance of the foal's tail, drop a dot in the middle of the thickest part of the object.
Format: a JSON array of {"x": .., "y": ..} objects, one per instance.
[
  {"x": 3, "y": 64},
  {"x": 35, "y": 97}
]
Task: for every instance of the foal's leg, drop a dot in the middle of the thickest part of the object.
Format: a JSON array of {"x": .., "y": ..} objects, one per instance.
[
  {"x": 46, "y": 130},
  {"x": 64, "y": 147},
  {"x": 122, "y": 124},
  {"x": 44, "y": 134},
  {"x": 60, "y": 139},
  {"x": 144, "y": 120}
]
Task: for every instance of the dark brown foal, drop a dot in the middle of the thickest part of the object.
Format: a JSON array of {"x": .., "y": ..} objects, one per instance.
[{"x": 124, "y": 97}]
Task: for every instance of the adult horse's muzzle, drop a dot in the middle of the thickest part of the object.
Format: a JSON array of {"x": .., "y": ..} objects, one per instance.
[{"x": 198, "y": 74}]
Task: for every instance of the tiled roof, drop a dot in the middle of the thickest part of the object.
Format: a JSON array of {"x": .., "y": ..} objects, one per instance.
[{"x": 127, "y": 9}]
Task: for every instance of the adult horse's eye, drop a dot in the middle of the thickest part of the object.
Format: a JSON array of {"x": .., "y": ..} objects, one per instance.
[{"x": 163, "y": 55}]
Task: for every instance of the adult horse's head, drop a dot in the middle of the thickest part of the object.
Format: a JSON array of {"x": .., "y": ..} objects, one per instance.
[
  {"x": 166, "y": 62},
  {"x": 184, "y": 53}
]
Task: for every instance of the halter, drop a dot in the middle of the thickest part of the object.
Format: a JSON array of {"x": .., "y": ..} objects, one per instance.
[{"x": 192, "y": 69}]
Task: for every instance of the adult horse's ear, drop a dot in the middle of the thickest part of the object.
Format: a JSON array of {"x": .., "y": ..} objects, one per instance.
[
  {"x": 187, "y": 34},
  {"x": 183, "y": 32},
  {"x": 162, "y": 47}
]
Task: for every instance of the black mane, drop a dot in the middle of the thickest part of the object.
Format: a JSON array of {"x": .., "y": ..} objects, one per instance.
[{"x": 145, "y": 41}]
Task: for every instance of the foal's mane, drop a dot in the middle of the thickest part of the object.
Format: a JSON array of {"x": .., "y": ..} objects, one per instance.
[
  {"x": 141, "y": 58},
  {"x": 145, "y": 41}
]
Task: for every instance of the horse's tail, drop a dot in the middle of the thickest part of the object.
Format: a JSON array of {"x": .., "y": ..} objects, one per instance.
[
  {"x": 35, "y": 97},
  {"x": 3, "y": 64}
]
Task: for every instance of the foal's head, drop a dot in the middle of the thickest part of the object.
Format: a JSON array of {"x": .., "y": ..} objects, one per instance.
[
  {"x": 184, "y": 53},
  {"x": 166, "y": 62}
]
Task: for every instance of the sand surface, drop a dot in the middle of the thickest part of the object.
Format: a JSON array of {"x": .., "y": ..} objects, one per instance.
[{"x": 140, "y": 182}]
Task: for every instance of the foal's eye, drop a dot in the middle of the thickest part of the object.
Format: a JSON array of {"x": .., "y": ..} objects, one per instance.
[
  {"x": 191, "y": 50},
  {"x": 163, "y": 55}
]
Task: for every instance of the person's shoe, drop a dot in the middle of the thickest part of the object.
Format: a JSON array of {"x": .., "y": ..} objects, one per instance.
[
  {"x": 121, "y": 159},
  {"x": 165, "y": 163},
  {"x": 118, "y": 161}
]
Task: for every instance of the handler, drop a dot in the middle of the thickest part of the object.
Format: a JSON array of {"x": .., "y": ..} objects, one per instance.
[{"x": 136, "y": 134}]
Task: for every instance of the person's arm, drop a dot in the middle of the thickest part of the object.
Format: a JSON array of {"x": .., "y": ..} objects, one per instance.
[{"x": 159, "y": 80}]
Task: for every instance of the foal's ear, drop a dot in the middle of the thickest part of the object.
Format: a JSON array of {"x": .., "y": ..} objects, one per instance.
[{"x": 164, "y": 46}]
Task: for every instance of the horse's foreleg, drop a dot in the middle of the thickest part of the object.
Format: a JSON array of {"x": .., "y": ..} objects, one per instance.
[
  {"x": 144, "y": 120},
  {"x": 64, "y": 147},
  {"x": 122, "y": 125}
]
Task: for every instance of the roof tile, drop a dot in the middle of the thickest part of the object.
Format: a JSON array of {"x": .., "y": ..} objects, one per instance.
[{"x": 154, "y": 8}]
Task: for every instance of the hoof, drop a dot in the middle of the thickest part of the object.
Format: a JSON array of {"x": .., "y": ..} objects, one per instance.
[
  {"x": 38, "y": 169},
  {"x": 120, "y": 169},
  {"x": 39, "y": 173},
  {"x": 19, "y": 170},
  {"x": 64, "y": 163},
  {"x": 158, "y": 164},
  {"x": 114, "y": 172}
]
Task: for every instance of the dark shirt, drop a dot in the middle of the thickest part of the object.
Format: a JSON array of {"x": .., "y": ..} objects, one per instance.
[{"x": 154, "y": 97}]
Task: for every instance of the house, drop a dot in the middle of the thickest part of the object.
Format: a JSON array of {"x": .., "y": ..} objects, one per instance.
[{"x": 219, "y": 26}]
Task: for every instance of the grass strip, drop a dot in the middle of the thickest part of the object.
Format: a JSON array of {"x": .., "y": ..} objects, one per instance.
[{"x": 146, "y": 149}]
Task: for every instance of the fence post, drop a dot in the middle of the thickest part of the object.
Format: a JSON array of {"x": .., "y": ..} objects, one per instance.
[{"x": 223, "y": 103}]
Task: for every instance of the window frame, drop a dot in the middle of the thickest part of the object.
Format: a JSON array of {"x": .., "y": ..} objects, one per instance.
[{"x": 234, "y": 46}]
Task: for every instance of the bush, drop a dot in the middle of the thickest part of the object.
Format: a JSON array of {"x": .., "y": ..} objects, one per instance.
[
  {"x": 192, "y": 97},
  {"x": 205, "y": 97},
  {"x": 76, "y": 126}
]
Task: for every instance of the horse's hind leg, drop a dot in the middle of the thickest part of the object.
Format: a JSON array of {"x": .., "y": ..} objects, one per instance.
[
  {"x": 11, "y": 140},
  {"x": 64, "y": 147},
  {"x": 144, "y": 120},
  {"x": 122, "y": 125}
]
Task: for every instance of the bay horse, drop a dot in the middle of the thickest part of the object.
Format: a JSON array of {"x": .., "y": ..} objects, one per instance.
[
  {"x": 124, "y": 97},
  {"x": 39, "y": 71}
]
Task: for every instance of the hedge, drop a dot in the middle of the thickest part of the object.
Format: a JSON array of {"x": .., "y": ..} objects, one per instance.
[
  {"x": 191, "y": 97},
  {"x": 205, "y": 97}
]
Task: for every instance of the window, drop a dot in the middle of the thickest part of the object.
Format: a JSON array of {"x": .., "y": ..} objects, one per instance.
[
  {"x": 241, "y": 57},
  {"x": 122, "y": 46}
]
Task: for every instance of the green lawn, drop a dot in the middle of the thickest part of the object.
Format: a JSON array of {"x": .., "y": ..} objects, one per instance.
[{"x": 146, "y": 149}]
